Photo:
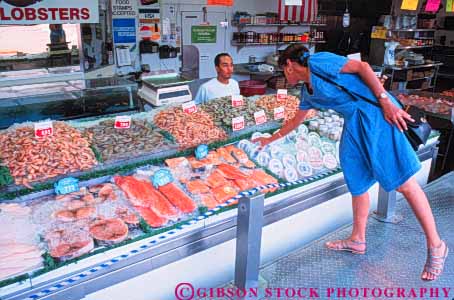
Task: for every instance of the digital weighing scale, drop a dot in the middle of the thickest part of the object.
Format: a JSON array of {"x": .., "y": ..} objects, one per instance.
[{"x": 165, "y": 88}]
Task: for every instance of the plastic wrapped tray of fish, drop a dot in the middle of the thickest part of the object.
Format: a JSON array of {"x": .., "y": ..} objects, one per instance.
[{"x": 299, "y": 155}]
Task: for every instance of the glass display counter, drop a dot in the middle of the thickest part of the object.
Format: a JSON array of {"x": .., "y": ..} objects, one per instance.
[{"x": 64, "y": 100}]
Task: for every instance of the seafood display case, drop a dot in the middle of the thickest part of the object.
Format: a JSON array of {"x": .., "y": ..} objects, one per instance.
[
  {"x": 64, "y": 100},
  {"x": 115, "y": 221}
]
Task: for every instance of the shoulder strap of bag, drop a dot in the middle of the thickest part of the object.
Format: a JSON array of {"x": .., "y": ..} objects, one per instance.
[{"x": 354, "y": 95}]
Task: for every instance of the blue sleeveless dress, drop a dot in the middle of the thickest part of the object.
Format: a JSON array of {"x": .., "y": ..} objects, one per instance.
[{"x": 371, "y": 149}]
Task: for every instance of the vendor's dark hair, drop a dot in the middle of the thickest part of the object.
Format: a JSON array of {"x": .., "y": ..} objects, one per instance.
[
  {"x": 296, "y": 53},
  {"x": 217, "y": 59}
]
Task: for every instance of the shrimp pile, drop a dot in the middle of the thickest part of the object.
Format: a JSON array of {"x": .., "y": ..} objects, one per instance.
[
  {"x": 32, "y": 159},
  {"x": 189, "y": 130}
]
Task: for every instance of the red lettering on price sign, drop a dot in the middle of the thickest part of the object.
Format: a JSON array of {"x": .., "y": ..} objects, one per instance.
[
  {"x": 260, "y": 117},
  {"x": 123, "y": 122},
  {"x": 189, "y": 107},
  {"x": 281, "y": 95},
  {"x": 237, "y": 100},
  {"x": 279, "y": 113},
  {"x": 44, "y": 129},
  {"x": 238, "y": 123}
]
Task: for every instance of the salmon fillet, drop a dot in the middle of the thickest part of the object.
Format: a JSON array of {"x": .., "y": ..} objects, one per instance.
[
  {"x": 197, "y": 187},
  {"x": 178, "y": 198},
  {"x": 216, "y": 179},
  {"x": 262, "y": 178},
  {"x": 142, "y": 193},
  {"x": 152, "y": 219},
  {"x": 231, "y": 172},
  {"x": 224, "y": 193},
  {"x": 245, "y": 184},
  {"x": 209, "y": 201},
  {"x": 225, "y": 155}
]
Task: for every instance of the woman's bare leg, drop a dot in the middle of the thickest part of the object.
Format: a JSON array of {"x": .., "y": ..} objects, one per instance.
[
  {"x": 360, "y": 205},
  {"x": 418, "y": 201}
]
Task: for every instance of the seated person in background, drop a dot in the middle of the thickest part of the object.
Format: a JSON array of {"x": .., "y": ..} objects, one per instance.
[{"x": 221, "y": 86}]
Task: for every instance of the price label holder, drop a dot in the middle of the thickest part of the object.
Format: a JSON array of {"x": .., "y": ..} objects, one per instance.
[
  {"x": 122, "y": 122},
  {"x": 162, "y": 177},
  {"x": 201, "y": 152},
  {"x": 43, "y": 129},
  {"x": 260, "y": 117},
  {"x": 237, "y": 100},
  {"x": 238, "y": 123},
  {"x": 279, "y": 113},
  {"x": 189, "y": 107},
  {"x": 282, "y": 95},
  {"x": 66, "y": 186}
]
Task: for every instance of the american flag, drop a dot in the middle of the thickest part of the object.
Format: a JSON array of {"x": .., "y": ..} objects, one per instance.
[{"x": 305, "y": 13}]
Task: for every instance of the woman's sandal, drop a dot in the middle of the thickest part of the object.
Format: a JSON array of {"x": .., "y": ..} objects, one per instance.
[
  {"x": 435, "y": 264},
  {"x": 344, "y": 245}
]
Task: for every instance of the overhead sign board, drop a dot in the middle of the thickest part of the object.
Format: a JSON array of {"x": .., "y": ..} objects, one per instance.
[{"x": 29, "y": 12}]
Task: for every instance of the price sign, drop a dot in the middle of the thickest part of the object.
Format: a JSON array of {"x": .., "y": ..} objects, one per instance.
[
  {"x": 201, "y": 152},
  {"x": 122, "y": 122},
  {"x": 260, "y": 117},
  {"x": 281, "y": 95},
  {"x": 66, "y": 186},
  {"x": 162, "y": 177},
  {"x": 189, "y": 107},
  {"x": 237, "y": 100},
  {"x": 43, "y": 129},
  {"x": 238, "y": 123},
  {"x": 279, "y": 113}
]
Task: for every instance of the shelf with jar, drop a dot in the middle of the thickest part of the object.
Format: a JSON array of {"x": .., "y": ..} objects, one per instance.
[
  {"x": 244, "y": 19},
  {"x": 252, "y": 38}
]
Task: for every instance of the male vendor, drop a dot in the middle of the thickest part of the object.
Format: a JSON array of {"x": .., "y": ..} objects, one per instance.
[{"x": 221, "y": 86}]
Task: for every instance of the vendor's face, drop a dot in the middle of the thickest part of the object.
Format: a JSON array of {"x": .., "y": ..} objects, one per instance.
[{"x": 225, "y": 68}]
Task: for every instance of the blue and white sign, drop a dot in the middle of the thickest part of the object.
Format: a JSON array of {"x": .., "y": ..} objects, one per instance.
[
  {"x": 124, "y": 31},
  {"x": 66, "y": 186}
]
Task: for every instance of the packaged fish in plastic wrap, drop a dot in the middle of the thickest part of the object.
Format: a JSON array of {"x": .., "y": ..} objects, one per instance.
[
  {"x": 328, "y": 147},
  {"x": 301, "y": 156},
  {"x": 289, "y": 160},
  {"x": 290, "y": 174},
  {"x": 314, "y": 139},
  {"x": 276, "y": 166},
  {"x": 330, "y": 161},
  {"x": 302, "y": 129},
  {"x": 304, "y": 169},
  {"x": 263, "y": 158}
]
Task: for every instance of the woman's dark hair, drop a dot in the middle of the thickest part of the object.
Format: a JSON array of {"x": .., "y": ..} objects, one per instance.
[{"x": 295, "y": 53}]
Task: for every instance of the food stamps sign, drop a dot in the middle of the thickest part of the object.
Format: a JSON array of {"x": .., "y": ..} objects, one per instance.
[{"x": 28, "y": 12}]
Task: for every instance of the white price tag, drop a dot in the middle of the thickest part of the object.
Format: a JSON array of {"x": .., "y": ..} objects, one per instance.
[
  {"x": 279, "y": 113},
  {"x": 189, "y": 107},
  {"x": 282, "y": 95},
  {"x": 238, "y": 123},
  {"x": 43, "y": 129},
  {"x": 237, "y": 100},
  {"x": 122, "y": 122},
  {"x": 260, "y": 117}
]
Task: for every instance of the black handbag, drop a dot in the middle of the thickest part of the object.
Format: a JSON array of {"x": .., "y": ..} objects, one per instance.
[{"x": 418, "y": 132}]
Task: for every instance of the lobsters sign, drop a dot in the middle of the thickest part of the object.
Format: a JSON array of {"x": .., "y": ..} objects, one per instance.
[{"x": 48, "y": 11}]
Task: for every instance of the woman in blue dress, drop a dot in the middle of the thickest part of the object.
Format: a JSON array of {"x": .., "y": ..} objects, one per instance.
[{"x": 373, "y": 146}]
